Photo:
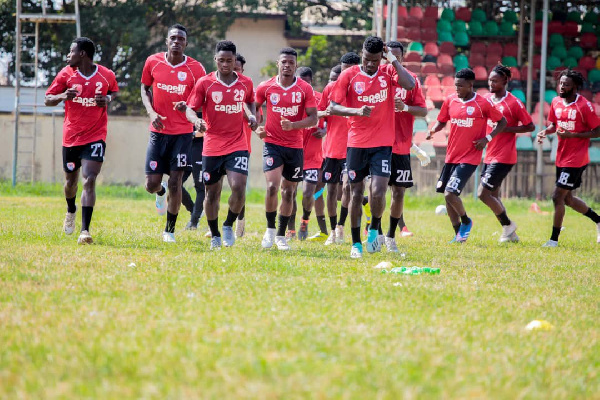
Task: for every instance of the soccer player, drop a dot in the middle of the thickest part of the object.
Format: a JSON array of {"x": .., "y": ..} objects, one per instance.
[
  {"x": 572, "y": 117},
  {"x": 501, "y": 153},
  {"x": 467, "y": 113},
  {"x": 195, "y": 207},
  {"x": 167, "y": 79},
  {"x": 291, "y": 107},
  {"x": 368, "y": 91},
  {"x": 86, "y": 88},
  {"x": 411, "y": 104},
  {"x": 222, "y": 95}
]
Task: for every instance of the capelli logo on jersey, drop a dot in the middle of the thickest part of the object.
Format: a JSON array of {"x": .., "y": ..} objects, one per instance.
[
  {"x": 375, "y": 98},
  {"x": 286, "y": 111},
  {"x": 217, "y": 97},
  {"x": 567, "y": 125},
  {"x": 174, "y": 89},
  {"x": 274, "y": 98},
  {"x": 359, "y": 87},
  {"x": 85, "y": 101},
  {"x": 463, "y": 123},
  {"x": 229, "y": 108}
]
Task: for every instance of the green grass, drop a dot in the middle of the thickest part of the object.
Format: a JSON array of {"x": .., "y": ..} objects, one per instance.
[{"x": 185, "y": 322}]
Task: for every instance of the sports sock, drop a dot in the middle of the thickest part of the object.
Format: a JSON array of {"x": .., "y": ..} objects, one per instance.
[
  {"x": 380, "y": 231},
  {"x": 271, "y": 219},
  {"x": 186, "y": 200},
  {"x": 171, "y": 220},
  {"x": 401, "y": 223},
  {"x": 456, "y": 228},
  {"x": 503, "y": 218},
  {"x": 242, "y": 213},
  {"x": 355, "y": 235},
  {"x": 71, "y": 207},
  {"x": 365, "y": 200},
  {"x": 283, "y": 221},
  {"x": 343, "y": 216},
  {"x": 333, "y": 222},
  {"x": 86, "y": 217},
  {"x": 465, "y": 219},
  {"x": 231, "y": 217},
  {"x": 292, "y": 222},
  {"x": 375, "y": 223},
  {"x": 322, "y": 223},
  {"x": 555, "y": 233},
  {"x": 305, "y": 214},
  {"x": 393, "y": 224},
  {"x": 213, "y": 224},
  {"x": 592, "y": 215},
  {"x": 162, "y": 191}
]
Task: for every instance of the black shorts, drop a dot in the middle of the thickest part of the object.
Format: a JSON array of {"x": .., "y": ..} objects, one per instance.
[
  {"x": 370, "y": 161},
  {"x": 569, "y": 178},
  {"x": 401, "y": 172},
  {"x": 493, "y": 174},
  {"x": 168, "y": 153},
  {"x": 292, "y": 160},
  {"x": 312, "y": 175},
  {"x": 454, "y": 177},
  {"x": 72, "y": 156},
  {"x": 214, "y": 167},
  {"x": 333, "y": 169}
]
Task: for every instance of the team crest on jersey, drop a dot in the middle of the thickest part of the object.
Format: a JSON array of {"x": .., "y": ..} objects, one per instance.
[
  {"x": 269, "y": 161},
  {"x": 501, "y": 108},
  {"x": 352, "y": 174},
  {"x": 359, "y": 87},
  {"x": 470, "y": 110},
  {"x": 217, "y": 97},
  {"x": 206, "y": 176},
  {"x": 558, "y": 112},
  {"x": 327, "y": 176},
  {"x": 274, "y": 98},
  {"x": 153, "y": 165},
  {"x": 78, "y": 88},
  {"x": 181, "y": 75},
  {"x": 70, "y": 166}
]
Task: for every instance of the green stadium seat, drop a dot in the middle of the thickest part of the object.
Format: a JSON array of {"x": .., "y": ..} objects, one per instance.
[
  {"x": 591, "y": 17},
  {"x": 490, "y": 28},
  {"x": 594, "y": 76},
  {"x": 575, "y": 52},
  {"x": 460, "y": 61},
  {"x": 459, "y": 26},
  {"x": 552, "y": 63},
  {"x": 415, "y": 47},
  {"x": 509, "y": 61},
  {"x": 447, "y": 14},
  {"x": 510, "y": 16},
  {"x": 443, "y": 26},
  {"x": 574, "y": 16},
  {"x": 524, "y": 143},
  {"x": 587, "y": 27},
  {"x": 461, "y": 39},
  {"x": 507, "y": 29},
  {"x": 556, "y": 39},
  {"x": 549, "y": 95},
  {"x": 570, "y": 62},
  {"x": 559, "y": 52},
  {"x": 594, "y": 153},
  {"x": 539, "y": 15},
  {"x": 475, "y": 28},
  {"x": 519, "y": 94},
  {"x": 478, "y": 15},
  {"x": 445, "y": 37}
]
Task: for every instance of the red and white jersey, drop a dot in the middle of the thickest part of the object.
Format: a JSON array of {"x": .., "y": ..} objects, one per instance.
[
  {"x": 356, "y": 89},
  {"x": 249, "y": 130},
  {"x": 313, "y": 146},
  {"x": 503, "y": 147},
  {"x": 468, "y": 122},
  {"x": 170, "y": 84},
  {"x": 336, "y": 141},
  {"x": 223, "y": 110},
  {"x": 576, "y": 117},
  {"x": 84, "y": 121},
  {"x": 405, "y": 120},
  {"x": 291, "y": 103}
]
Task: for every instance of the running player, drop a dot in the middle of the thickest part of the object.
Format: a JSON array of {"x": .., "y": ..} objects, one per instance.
[
  {"x": 468, "y": 114},
  {"x": 411, "y": 104},
  {"x": 168, "y": 78},
  {"x": 222, "y": 95},
  {"x": 86, "y": 88},
  {"x": 288, "y": 99},
  {"x": 572, "y": 117},
  {"x": 501, "y": 153},
  {"x": 196, "y": 207},
  {"x": 370, "y": 105}
]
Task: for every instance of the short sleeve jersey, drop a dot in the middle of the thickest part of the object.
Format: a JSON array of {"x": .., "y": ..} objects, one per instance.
[
  {"x": 356, "y": 89},
  {"x": 336, "y": 140},
  {"x": 84, "y": 121},
  {"x": 468, "y": 122},
  {"x": 503, "y": 147},
  {"x": 405, "y": 120},
  {"x": 313, "y": 146},
  {"x": 576, "y": 117},
  {"x": 223, "y": 110},
  {"x": 290, "y": 103},
  {"x": 170, "y": 84}
]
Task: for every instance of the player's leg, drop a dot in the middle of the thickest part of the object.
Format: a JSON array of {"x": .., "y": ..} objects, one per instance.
[
  {"x": 291, "y": 232},
  {"x": 489, "y": 193},
  {"x": 186, "y": 199},
  {"x": 581, "y": 207},
  {"x": 459, "y": 178},
  {"x": 89, "y": 172},
  {"x": 319, "y": 206},
  {"x": 71, "y": 164},
  {"x": 236, "y": 166},
  {"x": 358, "y": 169},
  {"x": 400, "y": 179},
  {"x": 380, "y": 162},
  {"x": 345, "y": 196},
  {"x": 155, "y": 167},
  {"x": 273, "y": 178},
  {"x": 332, "y": 199},
  {"x": 559, "y": 196}
]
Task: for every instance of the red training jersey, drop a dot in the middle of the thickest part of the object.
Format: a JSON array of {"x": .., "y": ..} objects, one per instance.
[
  {"x": 336, "y": 141},
  {"x": 313, "y": 146},
  {"x": 290, "y": 102},
  {"x": 503, "y": 147},
  {"x": 468, "y": 122},
  {"x": 84, "y": 121},
  {"x": 356, "y": 89},
  {"x": 223, "y": 110},
  {"x": 405, "y": 120},
  {"x": 576, "y": 117},
  {"x": 170, "y": 84}
]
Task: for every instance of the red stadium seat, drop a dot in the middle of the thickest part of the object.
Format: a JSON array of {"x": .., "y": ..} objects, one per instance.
[
  {"x": 482, "y": 91},
  {"x": 412, "y": 23},
  {"x": 481, "y": 73},
  {"x": 413, "y": 34},
  {"x": 419, "y": 137},
  {"x": 476, "y": 59},
  {"x": 589, "y": 41},
  {"x": 444, "y": 59},
  {"x": 439, "y": 139},
  {"x": 546, "y": 106},
  {"x": 492, "y": 59},
  {"x": 511, "y": 50},
  {"x": 536, "y": 73},
  {"x": 448, "y": 48},
  {"x": 515, "y": 73},
  {"x": 429, "y": 23},
  {"x": 537, "y": 61},
  {"x": 553, "y": 27},
  {"x": 435, "y": 94},
  {"x": 587, "y": 94},
  {"x": 401, "y": 33},
  {"x": 429, "y": 68},
  {"x": 448, "y": 91},
  {"x": 463, "y": 14},
  {"x": 495, "y": 48},
  {"x": 429, "y": 35},
  {"x": 571, "y": 29},
  {"x": 582, "y": 71},
  {"x": 432, "y": 49},
  {"x": 557, "y": 72},
  {"x": 432, "y": 81},
  {"x": 412, "y": 57},
  {"x": 431, "y": 12},
  {"x": 448, "y": 81},
  {"x": 402, "y": 12},
  {"x": 416, "y": 12},
  {"x": 447, "y": 69},
  {"x": 479, "y": 48},
  {"x": 596, "y": 98},
  {"x": 413, "y": 67}
]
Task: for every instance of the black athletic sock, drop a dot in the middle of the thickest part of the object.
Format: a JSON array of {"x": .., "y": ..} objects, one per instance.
[
  {"x": 401, "y": 223},
  {"x": 503, "y": 218},
  {"x": 375, "y": 223},
  {"x": 86, "y": 217},
  {"x": 186, "y": 200},
  {"x": 393, "y": 224},
  {"x": 380, "y": 231},
  {"x": 333, "y": 222},
  {"x": 305, "y": 214},
  {"x": 71, "y": 207},
  {"x": 343, "y": 216},
  {"x": 194, "y": 220},
  {"x": 592, "y": 215},
  {"x": 365, "y": 200},
  {"x": 456, "y": 228},
  {"x": 213, "y": 224},
  {"x": 283, "y": 221},
  {"x": 355, "y": 235},
  {"x": 555, "y": 233},
  {"x": 231, "y": 217},
  {"x": 291, "y": 224},
  {"x": 465, "y": 219},
  {"x": 162, "y": 191},
  {"x": 171, "y": 220},
  {"x": 322, "y": 223},
  {"x": 271, "y": 219},
  {"x": 242, "y": 214}
]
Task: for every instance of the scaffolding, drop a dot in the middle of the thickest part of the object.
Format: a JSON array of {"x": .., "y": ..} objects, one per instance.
[{"x": 23, "y": 151}]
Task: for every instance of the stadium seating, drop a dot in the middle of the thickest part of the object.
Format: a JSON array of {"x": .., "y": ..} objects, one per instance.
[
  {"x": 559, "y": 52},
  {"x": 495, "y": 48},
  {"x": 509, "y": 61},
  {"x": 519, "y": 94},
  {"x": 478, "y": 15},
  {"x": 463, "y": 14},
  {"x": 460, "y": 61},
  {"x": 492, "y": 59},
  {"x": 510, "y": 50},
  {"x": 588, "y": 41},
  {"x": 476, "y": 58},
  {"x": 594, "y": 76},
  {"x": 445, "y": 37},
  {"x": 447, "y": 47},
  {"x": 447, "y": 15},
  {"x": 431, "y": 49},
  {"x": 431, "y": 12},
  {"x": 491, "y": 28},
  {"x": 416, "y": 47},
  {"x": 510, "y": 16},
  {"x": 461, "y": 39},
  {"x": 429, "y": 68},
  {"x": 570, "y": 62},
  {"x": 549, "y": 95},
  {"x": 475, "y": 28},
  {"x": 480, "y": 48},
  {"x": 459, "y": 26},
  {"x": 431, "y": 80},
  {"x": 416, "y": 13},
  {"x": 507, "y": 29},
  {"x": 575, "y": 52},
  {"x": 412, "y": 57},
  {"x": 481, "y": 73}
]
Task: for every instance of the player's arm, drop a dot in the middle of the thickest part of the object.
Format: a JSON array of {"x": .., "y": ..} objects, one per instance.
[
  {"x": 338, "y": 109},
  {"x": 414, "y": 110},
  {"x": 594, "y": 133},
  {"x": 545, "y": 132},
  {"x": 520, "y": 129},
  {"x": 55, "y": 99},
  {"x": 481, "y": 143},
  {"x": 260, "y": 130},
  {"x": 308, "y": 122},
  {"x": 436, "y": 128},
  {"x": 155, "y": 117},
  {"x": 102, "y": 101},
  {"x": 404, "y": 78}
]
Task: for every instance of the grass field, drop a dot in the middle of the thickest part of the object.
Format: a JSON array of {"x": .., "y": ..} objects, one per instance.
[{"x": 131, "y": 317}]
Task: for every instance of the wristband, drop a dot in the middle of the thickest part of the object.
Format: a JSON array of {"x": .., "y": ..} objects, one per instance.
[
  {"x": 405, "y": 109},
  {"x": 390, "y": 57},
  {"x": 108, "y": 98},
  {"x": 489, "y": 138},
  {"x": 251, "y": 118}
]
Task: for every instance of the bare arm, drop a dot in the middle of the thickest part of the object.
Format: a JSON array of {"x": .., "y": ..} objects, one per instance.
[
  {"x": 404, "y": 78},
  {"x": 155, "y": 118},
  {"x": 520, "y": 129},
  {"x": 308, "y": 122},
  {"x": 594, "y": 133},
  {"x": 436, "y": 128},
  {"x": 414, "y": 110},
  {"x": 338, "y": 109},
  {"x": 481, "y": 143},
  {"x": 544, "y": 132},
  {"x": 52, "y": 100}
]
